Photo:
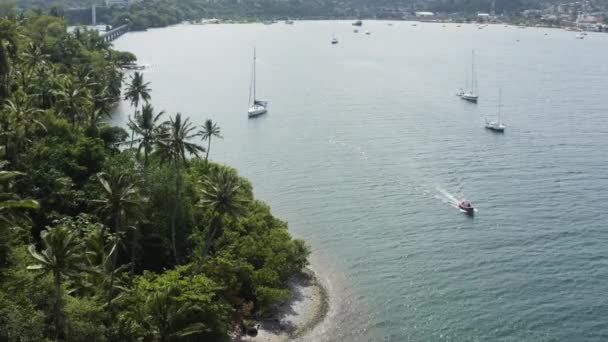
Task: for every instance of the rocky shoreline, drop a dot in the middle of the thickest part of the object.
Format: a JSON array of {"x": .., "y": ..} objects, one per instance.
[{"x": 296, "y": 317}]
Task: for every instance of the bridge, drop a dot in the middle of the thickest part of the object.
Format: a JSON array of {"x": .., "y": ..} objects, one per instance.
[{"x": 115, "y": 33}]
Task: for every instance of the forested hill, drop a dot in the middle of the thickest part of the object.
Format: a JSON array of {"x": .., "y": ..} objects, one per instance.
[{"x": 320, "y": 7}]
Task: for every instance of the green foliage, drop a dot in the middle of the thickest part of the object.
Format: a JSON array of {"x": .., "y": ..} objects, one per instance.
[
  {"x": 168, "y": 306},
  {"x": 86, "y": 317},
  {"x": 102, "y": 243},
  {"x": 19, "y": 321}
]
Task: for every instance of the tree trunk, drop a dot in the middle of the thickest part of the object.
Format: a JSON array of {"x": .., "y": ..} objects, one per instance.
[
  {"x": 133, "y": 249},
  {"x": 208, "y": 242},
  {"x": 146, "y": 152},
  {"x": 113, "y": 266},
  {"x": 174, "y": 212},
  {"x": 208, "y": 148},
  {"x": 57, "y": 308},
  {"x": 111, "y": 290}
]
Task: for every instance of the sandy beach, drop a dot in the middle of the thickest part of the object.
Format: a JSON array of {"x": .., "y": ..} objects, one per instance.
[{"x": 305, "y": 310}]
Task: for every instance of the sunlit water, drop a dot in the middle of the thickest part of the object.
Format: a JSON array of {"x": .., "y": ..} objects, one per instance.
[{"x": 365, "y": 149}]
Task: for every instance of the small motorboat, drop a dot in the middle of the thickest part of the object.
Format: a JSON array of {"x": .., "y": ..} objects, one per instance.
[
  {"x": 367, "y": 33},
  {"x": 334, "y": 41},
  {"x": 358, "y": 23},
  {"x": 467, "y": 207}
]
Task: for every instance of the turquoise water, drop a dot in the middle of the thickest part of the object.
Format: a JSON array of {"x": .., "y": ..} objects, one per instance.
[{"x": 365, "y": 145}]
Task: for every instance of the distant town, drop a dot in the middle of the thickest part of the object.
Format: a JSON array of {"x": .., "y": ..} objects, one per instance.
[{"x": 590, "y": 15}]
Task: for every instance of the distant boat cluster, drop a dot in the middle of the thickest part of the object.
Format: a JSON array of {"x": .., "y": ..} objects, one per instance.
[{"x": 469, "y": 93}]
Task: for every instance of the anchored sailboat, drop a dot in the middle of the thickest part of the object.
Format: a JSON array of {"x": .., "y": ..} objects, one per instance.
[
  {"x": 497, "y": 126},
  {"x": 334, "y": 40},
  {"x": 471, "y": 94},
  {"x": 257, "y": 107}
]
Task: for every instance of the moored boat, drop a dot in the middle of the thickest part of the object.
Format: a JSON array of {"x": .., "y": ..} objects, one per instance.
[
  {"x": 258, "y": 107},
  {"x": 471, "y": 94},
  {"x": 497, "y": 125}
]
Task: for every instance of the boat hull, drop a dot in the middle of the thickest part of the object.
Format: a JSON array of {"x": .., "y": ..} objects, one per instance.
[
  {"x": 469, "y": 98},
  {"x": 468, "y": 211},
  {"x": 253, "y": 112},
  {"x": 495, "y": 126},
  {"x": 496, "y": 129}
]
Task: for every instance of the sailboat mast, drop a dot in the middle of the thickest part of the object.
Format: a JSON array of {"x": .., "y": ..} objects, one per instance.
[
  {"x": 473, "y": 85},
  {"x": 499, "y": 103},
  {"x": 254, "y": 98}
]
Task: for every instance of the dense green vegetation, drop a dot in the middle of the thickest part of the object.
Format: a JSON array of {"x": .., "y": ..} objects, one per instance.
[{"x": 106, "y": 235}]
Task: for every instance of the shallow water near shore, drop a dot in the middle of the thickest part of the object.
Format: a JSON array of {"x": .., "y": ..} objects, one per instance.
[{"x": 365, "y": 143}]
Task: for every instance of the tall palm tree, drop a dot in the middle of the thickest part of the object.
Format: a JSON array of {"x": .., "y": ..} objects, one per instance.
[
  {"x": 136, "y": 91},
  {"x": 146, "y": 127},
  {"x": 22, "y": 118},
  {"x": 121, "y": 201},
  {"x": 62, "y": 258},
  {"x": 222, "y": 194},
  {"x": 32, "y": 57},
  {"x": 210, "y": 129},
  {"x": 73, "y": 100},
  {"x": 174, "y": 146}
]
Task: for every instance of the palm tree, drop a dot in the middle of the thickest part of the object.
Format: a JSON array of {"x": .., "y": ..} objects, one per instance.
[
  {"x": 73, "y": 100},
  {"x": 136, "y": 91},
  {"x": 21, "y": 118},
  {"x": 120, "y": 202},
  {"x": 145, "y": 125},
  {"x": 12, "y": 212},
  {"x": 8, "y": 53},
  {"x": 11, "y": 205},
  {"x": 173, "y": 146},
  {"x": 222, "y": 194},
  {"x": 63, "y": 259},
  {"x": 210, "y": 129},
  {"x": 167, "y": 316}
]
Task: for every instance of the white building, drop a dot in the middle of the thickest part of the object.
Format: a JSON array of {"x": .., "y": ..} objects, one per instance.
[
  {"x": 424, "y": 14},
  {"x": 120, "y": 3}
]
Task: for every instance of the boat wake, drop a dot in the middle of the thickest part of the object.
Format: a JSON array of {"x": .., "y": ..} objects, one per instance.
[
  {"x": 354, "y": 149},
  {"x": 446, "y": 197},
  {"x": 450, "y": 199}
]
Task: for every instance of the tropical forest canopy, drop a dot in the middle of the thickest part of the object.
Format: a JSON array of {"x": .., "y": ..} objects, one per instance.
[{"x": 108, "y": 234}]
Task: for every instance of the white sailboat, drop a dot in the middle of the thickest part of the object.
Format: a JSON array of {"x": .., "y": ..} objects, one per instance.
[
  {"x": 257, "y": 107},
  {"x": 497, "y": 126},
  {"x": 471, "y": 94},
  {"x": 466, "y": 83},
  {"x": 334, "y": 40}
]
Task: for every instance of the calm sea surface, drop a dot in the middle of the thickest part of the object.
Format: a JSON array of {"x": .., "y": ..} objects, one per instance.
[{"x": 365, "y": 145}]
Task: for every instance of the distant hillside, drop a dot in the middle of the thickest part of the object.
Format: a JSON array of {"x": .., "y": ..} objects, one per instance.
[
  {"x": 318, "y": 5},
  {"x": 158, "y": 13}
]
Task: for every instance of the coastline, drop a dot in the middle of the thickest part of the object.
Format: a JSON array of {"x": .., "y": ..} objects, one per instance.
[{"x": 307, "y": 308}]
